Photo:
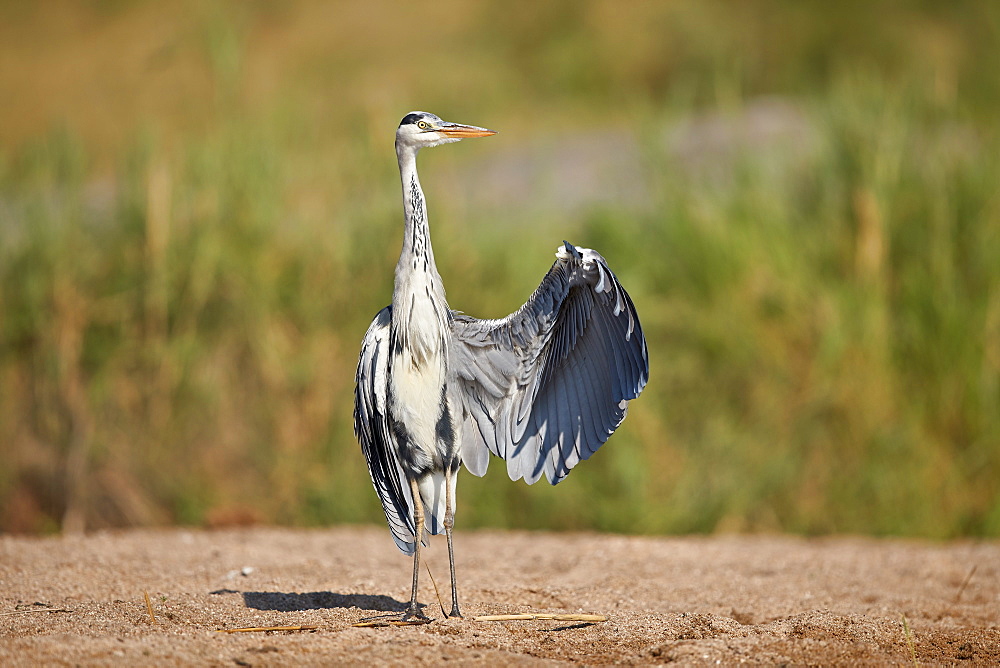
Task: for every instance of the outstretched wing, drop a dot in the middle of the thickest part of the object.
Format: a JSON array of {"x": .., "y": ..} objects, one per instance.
[
  {"x": 371, "y": 426},
  {"x": 546, "y": 386}
]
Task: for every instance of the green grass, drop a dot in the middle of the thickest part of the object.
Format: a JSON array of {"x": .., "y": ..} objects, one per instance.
[{"x": 181, "y": 308}]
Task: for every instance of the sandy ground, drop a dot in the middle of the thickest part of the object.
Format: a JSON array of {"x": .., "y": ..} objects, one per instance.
[{"x": 693, "y": 600}]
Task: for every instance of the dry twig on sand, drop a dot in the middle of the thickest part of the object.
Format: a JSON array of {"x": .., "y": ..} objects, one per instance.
[
  {"x": 541, "y": 615},
  {"x": 250, "y": 629},
  {"x": 24, "y": 612},
  {"x": 490, "y": 618},
  {"x": 392, "y": 622}
]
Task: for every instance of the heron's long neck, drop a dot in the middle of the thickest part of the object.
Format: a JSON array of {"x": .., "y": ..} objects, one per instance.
[
  {"x": 418, "y": 297},
  {"x": 417, "y": 251}
]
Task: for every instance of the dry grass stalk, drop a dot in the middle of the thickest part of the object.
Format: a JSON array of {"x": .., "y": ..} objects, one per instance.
[
  {"x": 392, "y": 622},
  {"x": 541, "y": 615},
  {"x": 251, "y": 629},
  {"x": 436, "y": 592},
  {"x": 909, "y": 640},
  {"x": 965, "y": 583},
  {"x": 149, "y": 607}
]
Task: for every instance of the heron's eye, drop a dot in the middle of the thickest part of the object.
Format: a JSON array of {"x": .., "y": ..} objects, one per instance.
[{"x": 422, "y": 125}]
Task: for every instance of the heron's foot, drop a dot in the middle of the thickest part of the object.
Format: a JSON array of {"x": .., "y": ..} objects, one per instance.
[
  {"x": 455, "y": 612},
  {"x": 413, "y": 615}
]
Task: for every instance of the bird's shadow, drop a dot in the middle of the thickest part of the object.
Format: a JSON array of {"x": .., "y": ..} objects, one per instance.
[{"x": 318, "y": 600}]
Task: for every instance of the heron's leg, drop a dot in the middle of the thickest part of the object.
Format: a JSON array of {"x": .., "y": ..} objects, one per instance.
[
  {"x": 449, "y": 522},
  {"x": 413, "y": 610}
]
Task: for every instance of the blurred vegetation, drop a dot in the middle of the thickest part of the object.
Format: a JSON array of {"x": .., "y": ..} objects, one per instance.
[{"x": 199, "y": 215}]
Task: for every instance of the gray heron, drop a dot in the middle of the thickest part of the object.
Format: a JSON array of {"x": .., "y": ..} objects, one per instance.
[{"x": 543, "y": 388}]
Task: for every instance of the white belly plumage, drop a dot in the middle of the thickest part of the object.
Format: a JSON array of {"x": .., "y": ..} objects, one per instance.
[
  {"x": 418, "y": 389},
  {"x": 419, "y": 392}
]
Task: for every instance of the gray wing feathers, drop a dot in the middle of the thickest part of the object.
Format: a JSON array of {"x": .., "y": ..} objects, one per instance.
[
  {"x": 545, "y": 387},
  {"x": 371, "y": 425}
]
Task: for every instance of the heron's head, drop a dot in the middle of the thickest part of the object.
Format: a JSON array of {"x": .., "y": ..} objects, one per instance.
[{"x": 419, "y": 129}]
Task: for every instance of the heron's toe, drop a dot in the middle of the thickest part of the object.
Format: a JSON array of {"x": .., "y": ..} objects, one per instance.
[{"x": 414, "y": 616}]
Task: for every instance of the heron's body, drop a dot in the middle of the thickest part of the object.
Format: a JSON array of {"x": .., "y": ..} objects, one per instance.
[
  {"x": 542, "y": 388},
  {"x": 421, "y": 409}
]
